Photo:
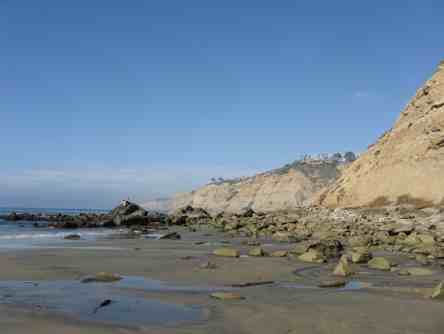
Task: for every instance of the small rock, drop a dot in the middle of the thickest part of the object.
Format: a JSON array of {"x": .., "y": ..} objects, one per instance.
[
  {"x": 359, "y": 241},
  {"x": 422, "y": 259},
  {"x": 208, "y": 265},
  {"x": 312, "y": 256},
  {"x": 329, "y": 248},
  {"x": 227, "y": 252},
  {"x": 343, "y": 268},
  {"x": 379, "y": 263},
  {"x": 226, "y": 296},
  {"x": 332, "y": 283},
  {"x": 300, "y": 248},
  {"x": 105, "y": 303},
  {"x": 438, "y": 292},
  {"x": 257, "y": 251},
  {"x": 403, "y": 272},
  {"x": 72, "y": 237},
  {"x": 361, "y": 255},
  {"x": 253, "y": 243},
  {"x": 284, "y": 237},
  {"x": 102, "y": 277},
  {"x": 250, "y": 284},
  {"x": 426, "y": 239},
  {"x": 281, "y": 253},
  {"x": 170, "y": 236},
  {"x": 418, "y": 271}
]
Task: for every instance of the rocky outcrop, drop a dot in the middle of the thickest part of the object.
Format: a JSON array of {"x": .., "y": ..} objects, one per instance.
[
  {"x": 129, "y": 214},
  {"x": 189, "y": 215},
  {"x": 285, "y": 188},
  {"x": 406, "y": 164},
  {"x": 126, "y": 214}
]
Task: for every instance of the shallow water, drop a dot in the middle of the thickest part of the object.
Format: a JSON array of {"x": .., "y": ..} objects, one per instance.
[
  {"x": 81, "y": 301},
  {"x": 349, "y": 286},
  {"x": 18, "y": 235}
]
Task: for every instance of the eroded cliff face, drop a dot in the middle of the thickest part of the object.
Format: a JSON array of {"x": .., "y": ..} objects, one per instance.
[
  {"x": 285, "y": 188},
  {"x": 406, "y": 165}
]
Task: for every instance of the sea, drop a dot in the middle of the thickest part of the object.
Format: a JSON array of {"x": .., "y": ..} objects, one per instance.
[{"x": 23, "y": 234}]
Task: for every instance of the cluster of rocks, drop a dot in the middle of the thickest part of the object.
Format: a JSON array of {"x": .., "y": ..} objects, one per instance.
[
  {"x": 127, "y": 214},
  {"x": 319, "y": 233},
  {"x": 60, "y": 220},
  {"x": 322, "y": 233}
]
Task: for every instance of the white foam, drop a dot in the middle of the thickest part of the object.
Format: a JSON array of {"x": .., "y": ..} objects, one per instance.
[{"x": 52, "y": 235}]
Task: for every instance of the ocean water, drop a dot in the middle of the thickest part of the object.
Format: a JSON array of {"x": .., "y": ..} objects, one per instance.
[
  {"x": 23, "y": 234},
  {"x": 7, "y": 210}
]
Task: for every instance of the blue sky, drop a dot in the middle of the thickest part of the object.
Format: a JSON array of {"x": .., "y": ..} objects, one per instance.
[{"x": 107, "y": 99}]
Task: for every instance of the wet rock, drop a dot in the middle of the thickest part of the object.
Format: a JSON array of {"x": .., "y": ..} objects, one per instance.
[
  {"x": 359, "y": 241},
  {"x": 422, "y": 259},
  {"x": 329, "y": 248},
  {"x": 360, "y": 255},
  {"x": 226, "y": 296},
  {"x": 69, "y": 225},
  {"x": 416, "y": 239},
  {"x": 227, "y": 252},
  {"x": 170, "y": 236},
  {"x": 416, "y": 271},
  {"x": 403, "y": 272},
  {"x": 250, "y": 284},
  {"x": 72, "y": 237},
  {"x": 343, "y": 268},
  {"x": 437, "y": 252},
  {"x": 300, "y": 248},
  {"x": 284, "y": 237},
  {"x": 312, "y": 256},
  {"x": 105, "y": 303},
  {"x": 379, "y": 263},
  {"x": 207, "y": 265},
  {"x": 332, "y": 283},
  {"x": 125, "y": 208},
  {"x": 382, "y": 238},
  {"x": 257, "y": 252},
  {"x": 232, "y": 226},
  {"x": 253, "y": 243},
  {"x": 189, "y": 215},
  {"x": 130, "y": 214},
  {"x": 427, "y": 239},
  {"x": 401, "y": 228},
  {"x": 438, "y": 292},
  {"x": 280, "y": 253},
  {"x": 246, "y": 213},
  {"x": 12, "y": 217},
  {"x": 102, "y": 277}
]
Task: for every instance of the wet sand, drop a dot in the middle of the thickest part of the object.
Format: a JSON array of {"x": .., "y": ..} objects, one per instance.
[{"x": 385, "y": 303}]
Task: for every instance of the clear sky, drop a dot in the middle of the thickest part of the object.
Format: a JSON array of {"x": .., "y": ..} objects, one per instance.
[{"x": 104, "y": 99}]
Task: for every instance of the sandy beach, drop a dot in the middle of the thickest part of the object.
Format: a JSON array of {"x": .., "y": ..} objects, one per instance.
[{"x": 381, "y": 302}]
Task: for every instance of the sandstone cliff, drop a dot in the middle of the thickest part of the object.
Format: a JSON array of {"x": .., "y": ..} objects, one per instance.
[
  {"x": 285, "y": 188},
  {"x": 406, "y": 164}
]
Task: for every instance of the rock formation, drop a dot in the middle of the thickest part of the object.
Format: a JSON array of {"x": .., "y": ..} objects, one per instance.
[
  {"x": 406, "y": 164},
  {"x": 291, "y": 186}
]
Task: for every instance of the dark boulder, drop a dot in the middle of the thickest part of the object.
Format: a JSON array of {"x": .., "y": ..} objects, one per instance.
[
  {"x": 246, "y": 213},
  {"x": 130, "y": 214},
  {"x": 189, "y": 215},
  {"x": 125, "y": 208},
  {"x": 330, "y": 248},
  {"x": 72, "y": 237},
  {"x": 13, "y": 217}
]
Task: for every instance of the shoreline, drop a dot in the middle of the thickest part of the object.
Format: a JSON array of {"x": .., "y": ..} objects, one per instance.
[{"x": 276, "y": 308}]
